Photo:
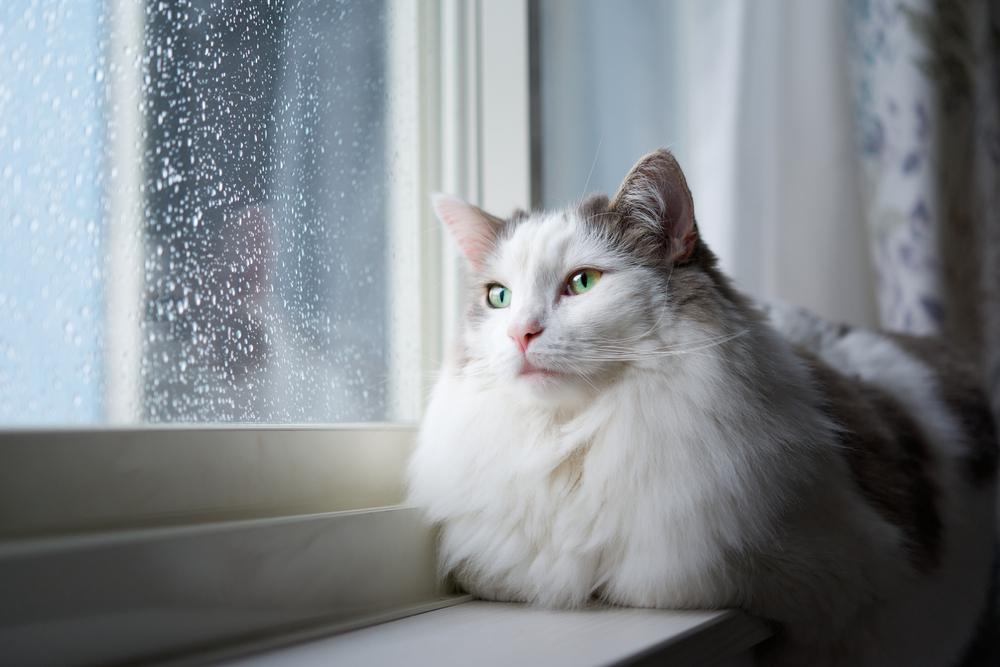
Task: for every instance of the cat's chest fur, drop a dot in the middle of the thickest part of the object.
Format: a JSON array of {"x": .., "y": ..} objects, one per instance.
[{"x": 626, "y": 498}]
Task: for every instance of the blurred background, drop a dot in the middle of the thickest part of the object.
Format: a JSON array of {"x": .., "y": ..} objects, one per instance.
[{"x": 197, "y": 198}]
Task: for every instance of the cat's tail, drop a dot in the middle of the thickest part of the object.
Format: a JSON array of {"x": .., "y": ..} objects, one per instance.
[{"x": 801, "y": 327}]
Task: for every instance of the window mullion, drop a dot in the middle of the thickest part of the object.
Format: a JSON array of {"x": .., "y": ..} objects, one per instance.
[
  {"x": 123, "y": 240},
  {"x": 405, "y": 149}
]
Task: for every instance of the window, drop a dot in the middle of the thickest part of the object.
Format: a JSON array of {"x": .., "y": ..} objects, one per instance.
[
  {"x": 222, "y": 216},
  {"x": 208, "y": 209}
]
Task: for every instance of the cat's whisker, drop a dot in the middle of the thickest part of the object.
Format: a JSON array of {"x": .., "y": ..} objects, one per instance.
[
  {"x": 582, "y": 375},
  {"x": 638, "y": 355},
  {"x": 625, "y": 358},
  {"x": 597, "y": 153},
  {"x": 654, "y": 327},
  {"x": 671, "y": 349}
]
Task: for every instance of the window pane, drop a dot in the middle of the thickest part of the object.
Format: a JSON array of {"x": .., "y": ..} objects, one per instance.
[{"x": 194, "y": 211}]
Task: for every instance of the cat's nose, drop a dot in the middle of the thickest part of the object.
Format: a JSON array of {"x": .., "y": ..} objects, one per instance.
[{"x": 524, "y": 333}]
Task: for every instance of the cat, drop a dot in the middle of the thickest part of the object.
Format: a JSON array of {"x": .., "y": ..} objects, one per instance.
[{"x": 618, "y": 424}]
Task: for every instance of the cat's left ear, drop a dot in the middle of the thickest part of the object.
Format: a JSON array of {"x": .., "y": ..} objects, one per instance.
[
  {"x": 473, "y": 229},
  {"x": 655, "y": 194}
]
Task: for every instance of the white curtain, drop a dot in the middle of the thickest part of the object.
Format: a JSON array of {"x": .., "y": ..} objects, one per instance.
[
  {"x": 754, "y": 99},
  {"x": 770, "y": 149}
]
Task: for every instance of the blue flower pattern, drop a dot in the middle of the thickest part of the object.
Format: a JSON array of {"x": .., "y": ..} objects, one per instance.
[
  {"x": 892, "y": 107},
  {"x": 926, "y": 78}
]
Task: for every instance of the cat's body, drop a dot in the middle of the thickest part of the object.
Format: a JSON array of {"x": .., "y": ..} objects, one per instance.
[{"x": 653, "y": 441}]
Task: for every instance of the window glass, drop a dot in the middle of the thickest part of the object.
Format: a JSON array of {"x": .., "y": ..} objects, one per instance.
[{"x": 193, "y": 216}]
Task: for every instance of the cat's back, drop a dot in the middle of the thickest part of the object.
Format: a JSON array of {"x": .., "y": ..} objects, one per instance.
[
  {"x": 918, "y": 392},
  {"x": 917, "y": 434},
  {"x": 923, "y": 389},
  {"x": 958, "y": 387}
]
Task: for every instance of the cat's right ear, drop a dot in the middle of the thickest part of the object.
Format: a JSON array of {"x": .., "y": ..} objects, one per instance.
[
  {"x": 656, "y": 196},
  {"x": 474, "y": 230}
]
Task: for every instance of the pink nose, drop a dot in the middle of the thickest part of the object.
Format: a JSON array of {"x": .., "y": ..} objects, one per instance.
[{"x": 524, "y": 333}]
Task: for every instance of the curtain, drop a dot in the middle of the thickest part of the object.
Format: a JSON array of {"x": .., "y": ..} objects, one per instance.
[
  {"x": 768, "y": 148},
  {"x": 753, "y": 98},
  {"x": 926, "y": 84}
]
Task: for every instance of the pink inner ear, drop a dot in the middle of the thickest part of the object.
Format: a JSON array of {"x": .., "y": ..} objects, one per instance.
[{"x": 470, "y": 227}]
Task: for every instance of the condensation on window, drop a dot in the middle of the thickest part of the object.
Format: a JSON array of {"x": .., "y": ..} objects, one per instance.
[{"x": 193, "y": 217}]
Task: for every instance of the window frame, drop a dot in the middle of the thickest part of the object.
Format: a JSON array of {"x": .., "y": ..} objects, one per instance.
[{"x": 65, "y": 492}]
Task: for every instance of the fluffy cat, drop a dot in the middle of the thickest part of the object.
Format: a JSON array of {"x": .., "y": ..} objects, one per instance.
[{"x": 619, "y": 424}]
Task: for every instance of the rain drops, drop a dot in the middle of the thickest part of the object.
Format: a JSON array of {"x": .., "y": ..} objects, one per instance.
[{"x": 200, "y": 214}]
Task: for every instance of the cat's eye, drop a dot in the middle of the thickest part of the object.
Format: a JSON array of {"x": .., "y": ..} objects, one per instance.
[
  {"x": 581, "y": 281},
  {"x": 498, "y": 296}
]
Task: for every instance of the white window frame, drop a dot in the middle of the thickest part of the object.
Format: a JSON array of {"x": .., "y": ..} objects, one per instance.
[{"x": 153, "y": 499}]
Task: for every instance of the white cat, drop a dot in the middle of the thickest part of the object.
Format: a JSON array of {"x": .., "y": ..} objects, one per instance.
[{"x": 619, "y": 424}]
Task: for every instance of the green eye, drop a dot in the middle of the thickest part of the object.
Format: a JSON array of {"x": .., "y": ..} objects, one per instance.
[
  {"x": 583, "y": 281},
  {"x": 498, "y": 296}
]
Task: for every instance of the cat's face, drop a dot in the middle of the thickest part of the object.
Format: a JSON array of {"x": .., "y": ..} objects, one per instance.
[
  {"x": 557, "y": 310},
  {"x": 560, "y": 303}
]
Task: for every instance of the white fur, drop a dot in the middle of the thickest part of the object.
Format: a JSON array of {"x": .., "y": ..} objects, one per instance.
[{"x": 651, "y": 473}]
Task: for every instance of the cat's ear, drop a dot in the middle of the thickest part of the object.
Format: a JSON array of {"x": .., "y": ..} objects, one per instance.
[
  {"x": 474, "y": 230},
  {"x": 655, "y": 194}
]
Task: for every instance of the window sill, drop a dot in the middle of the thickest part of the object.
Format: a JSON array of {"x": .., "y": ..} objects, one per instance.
[
  {"x": 489, "y": 633},
  {"x": 111, "y": 551},
  {"x": 179, "y": 594}
]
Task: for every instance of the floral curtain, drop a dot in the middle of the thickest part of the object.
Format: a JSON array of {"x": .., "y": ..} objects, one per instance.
[{"x": 927, "y": 92}]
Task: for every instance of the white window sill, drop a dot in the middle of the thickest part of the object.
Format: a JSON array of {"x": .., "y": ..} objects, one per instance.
[
  {"x": 489, "y": 633},
  {"x": 110, "y": 554}
]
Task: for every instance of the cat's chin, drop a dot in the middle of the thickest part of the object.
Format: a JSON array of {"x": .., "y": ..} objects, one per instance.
[
  {"x": 540, "y": 380},
  {"x": 530, "y": 371},
  {"x": 548, "y": 386}
]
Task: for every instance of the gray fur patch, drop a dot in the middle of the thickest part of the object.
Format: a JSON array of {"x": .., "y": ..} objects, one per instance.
[
  {"x": 889, "y": 457},
  {"x": 965, "y": 398}
]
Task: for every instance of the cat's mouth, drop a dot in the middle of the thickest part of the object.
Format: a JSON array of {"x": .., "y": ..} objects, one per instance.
[{"x": 530, "y": 370}]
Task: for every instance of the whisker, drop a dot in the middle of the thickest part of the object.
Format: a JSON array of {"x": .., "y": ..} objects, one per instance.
[
  {"x": 606, "y": 352},
  {"x": 582, "y": 374},
  {"x": 611, "y": 345},
  {"x": 611, "y": 354},
  {"x": 600, "y": 142},
  {"x": 656, "y": 325}
]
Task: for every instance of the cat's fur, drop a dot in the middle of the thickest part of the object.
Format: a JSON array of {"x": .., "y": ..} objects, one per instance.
[{"x": 836, "y": 482}]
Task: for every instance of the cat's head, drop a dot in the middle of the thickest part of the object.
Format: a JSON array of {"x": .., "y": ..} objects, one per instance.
[{"x": 560, "y": 303}]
